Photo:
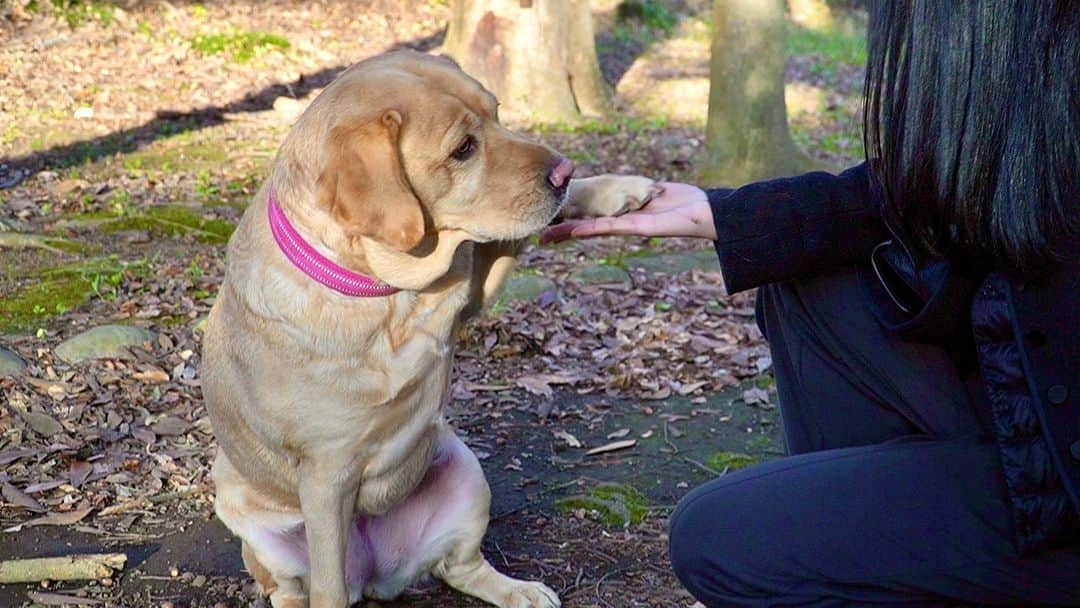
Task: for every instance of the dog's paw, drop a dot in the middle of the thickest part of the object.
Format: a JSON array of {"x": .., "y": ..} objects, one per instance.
[
  {"x": 608, "y": 195},
  {"x": 525, "y": 594}
]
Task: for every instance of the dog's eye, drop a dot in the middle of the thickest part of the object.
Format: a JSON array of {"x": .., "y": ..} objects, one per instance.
[{"x": 465, "y": 149}]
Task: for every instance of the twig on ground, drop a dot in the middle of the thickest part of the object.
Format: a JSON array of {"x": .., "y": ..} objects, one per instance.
[{"x": 64, "y": 568}]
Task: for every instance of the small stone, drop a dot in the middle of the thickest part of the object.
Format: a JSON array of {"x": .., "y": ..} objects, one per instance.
[
  {"x": 174, "y": 572},
  {"x": 11, "y": 364},
  {"x": 199, "y": 581},
  {"x": 42, "y": 424},
  {"x": 527, "y": 287},
  {"x": 105, "y": 342},
  {"x": 596, "y": 274},
  {"x": 674, "y": 263},
  {"x": 170, "y": 426}
]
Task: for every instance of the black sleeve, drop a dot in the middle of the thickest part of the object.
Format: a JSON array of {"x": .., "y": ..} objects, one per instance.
[{"x": 784, "y": 229}]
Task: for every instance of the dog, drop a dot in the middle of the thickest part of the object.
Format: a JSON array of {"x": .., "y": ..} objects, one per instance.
[{"x": 392, "y": 211}]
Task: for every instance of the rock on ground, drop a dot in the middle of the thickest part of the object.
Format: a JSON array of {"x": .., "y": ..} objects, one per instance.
[
  {"x": 105, "y": 342},
  {"x": 526, "y": 287},
  {"x": 10, "y": 363},
  {"x": 599, "y": 274}
]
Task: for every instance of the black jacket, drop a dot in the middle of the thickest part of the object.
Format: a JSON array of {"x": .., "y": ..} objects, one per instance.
[{"x": 1021, "y": 340}]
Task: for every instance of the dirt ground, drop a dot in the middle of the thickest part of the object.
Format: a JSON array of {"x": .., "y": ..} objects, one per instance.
[{"x": 132, "y": 136}]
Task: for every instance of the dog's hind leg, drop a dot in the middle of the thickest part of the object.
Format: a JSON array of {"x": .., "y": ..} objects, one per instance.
[
  {"x": 439, "y": 530},
  {"x": 262, "y": 576},
  {"x": 463, "y": 566},
  {"x": 287, "y": 595}
]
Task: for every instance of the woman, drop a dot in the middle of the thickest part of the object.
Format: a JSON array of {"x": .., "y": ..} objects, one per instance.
[{"x": 921, "y": 312}]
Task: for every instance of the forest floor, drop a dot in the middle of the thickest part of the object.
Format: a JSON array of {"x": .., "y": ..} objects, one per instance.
[{"x": 131, "y": 141}]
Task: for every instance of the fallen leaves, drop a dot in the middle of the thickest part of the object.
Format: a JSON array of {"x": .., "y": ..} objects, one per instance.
[
  {"x": 151, "y": 376},
  {"x": 535, "y": 386},
  {"x": 19, "y": 498},
  {"x": 540, "y": 384},
  {"x": 170, "y": 426},
  {"x": 567, "y": 437},
  {"x": 42, "y": 423},
  {"x": 78, "y": 471},
  {"x": 65, "y": 518},
  {"x": 614, "y": 446}
]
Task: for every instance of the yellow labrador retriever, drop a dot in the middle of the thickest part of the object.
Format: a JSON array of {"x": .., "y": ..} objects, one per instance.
[{"x": 393, "y": 209}]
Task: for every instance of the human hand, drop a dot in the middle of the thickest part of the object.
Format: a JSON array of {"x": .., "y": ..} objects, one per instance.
[{"x": 682, "y": 210}]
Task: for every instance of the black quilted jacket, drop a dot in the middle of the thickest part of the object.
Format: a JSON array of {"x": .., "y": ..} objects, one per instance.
[{"x": 1022, "y": 340}]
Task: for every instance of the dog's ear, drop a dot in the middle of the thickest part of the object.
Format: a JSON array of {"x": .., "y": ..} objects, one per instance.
[{"x": 364, "y": 185}]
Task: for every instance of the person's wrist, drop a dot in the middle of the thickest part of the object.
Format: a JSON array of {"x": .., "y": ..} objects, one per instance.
[{"x": 702, "y": 218}]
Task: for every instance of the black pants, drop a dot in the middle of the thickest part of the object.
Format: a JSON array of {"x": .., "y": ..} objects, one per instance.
[{"x": 893, "y": 493}]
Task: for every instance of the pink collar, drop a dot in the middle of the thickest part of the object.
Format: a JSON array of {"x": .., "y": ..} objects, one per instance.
[{"x": 316, "y": 265}]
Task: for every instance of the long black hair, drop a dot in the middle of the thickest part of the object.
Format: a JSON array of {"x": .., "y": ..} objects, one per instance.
[{"x": 972, "y": 126}]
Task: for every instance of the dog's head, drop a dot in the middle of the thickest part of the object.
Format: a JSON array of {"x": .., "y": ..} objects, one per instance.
[{"x": 409, "y": 143}]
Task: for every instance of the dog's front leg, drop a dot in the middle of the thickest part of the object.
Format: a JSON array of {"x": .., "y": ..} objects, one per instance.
[
  {"x": 607, "y": 195},
  {"x": 492, "y": 265},
  {"x": 327, "y": 500}
]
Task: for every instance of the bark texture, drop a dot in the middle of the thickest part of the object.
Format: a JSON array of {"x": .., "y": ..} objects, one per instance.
[
  {"x": 537, "y": 56},
  {"x": 747, "y": 136}
]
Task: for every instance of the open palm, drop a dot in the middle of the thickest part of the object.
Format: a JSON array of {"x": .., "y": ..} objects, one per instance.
[{"x": 682, "y": 210}]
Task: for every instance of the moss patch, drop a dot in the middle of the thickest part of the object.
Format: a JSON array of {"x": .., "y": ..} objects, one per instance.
[
  {"x": 19, "y": 240},
  {"x": 614, "y": 504},
  {"x": 57, "y": 290},
  {"x": 730, "y": 461},
  {"x": 243, "y": 46},
  {"x": 173, "y": 220},
  {"x": 172, "y": 156}
]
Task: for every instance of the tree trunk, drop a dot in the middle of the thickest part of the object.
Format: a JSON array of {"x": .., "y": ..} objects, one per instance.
[
  {"x": 747, "y": 137},
  {"x": 537, "y": 56}
]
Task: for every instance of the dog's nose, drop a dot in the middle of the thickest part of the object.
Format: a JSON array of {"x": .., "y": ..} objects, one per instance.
[{"x": 559, "y": 178}]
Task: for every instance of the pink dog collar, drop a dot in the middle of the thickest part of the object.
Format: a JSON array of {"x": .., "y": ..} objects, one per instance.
[{"x": 316, "y": 265}]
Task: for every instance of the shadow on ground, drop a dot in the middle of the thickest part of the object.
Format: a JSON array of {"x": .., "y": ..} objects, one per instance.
[{"x": 168, "y": 123}]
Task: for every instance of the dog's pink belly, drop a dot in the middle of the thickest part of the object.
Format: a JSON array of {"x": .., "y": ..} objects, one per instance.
[{"x": 406, "y": 536}]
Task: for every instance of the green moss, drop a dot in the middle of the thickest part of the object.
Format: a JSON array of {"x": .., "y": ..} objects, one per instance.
[
  {"x": 78, "y": 12},
  {"x": 170, "y": 321},
  {"x": 19, "y": 240},
  {"x": 615, "y": 505},
  {"x": 68, "y": 246},
  {"x": 764, "y": 381},
  {"x": 243, "y": 46},
  {"x": 760, "y": 443},
  {"x": 57, "y": 290},
  {"x": 173, "y": 220},
  {"x": 730, "y": 461},
  {"x": 177, "y": 155}
]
